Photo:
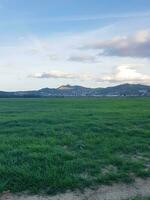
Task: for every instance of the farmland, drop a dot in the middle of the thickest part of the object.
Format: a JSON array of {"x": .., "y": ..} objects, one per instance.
[{"x": 53, "y": 144}]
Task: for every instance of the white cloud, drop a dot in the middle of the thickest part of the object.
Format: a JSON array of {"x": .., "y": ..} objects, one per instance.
[
  {"x": 125, "y": 74},
  {"x": 54, "y": 74},
  {"x": 60, "y": 75}
]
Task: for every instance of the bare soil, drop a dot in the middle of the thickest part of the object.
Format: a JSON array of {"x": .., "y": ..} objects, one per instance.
[{"x": 140, "y": 188}]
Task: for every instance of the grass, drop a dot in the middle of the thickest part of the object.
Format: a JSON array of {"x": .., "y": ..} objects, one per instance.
[{"x": 51, "y": 145}]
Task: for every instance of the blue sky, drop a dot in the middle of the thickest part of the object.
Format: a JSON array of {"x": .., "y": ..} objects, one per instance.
[{"x": 95, "y": 43}]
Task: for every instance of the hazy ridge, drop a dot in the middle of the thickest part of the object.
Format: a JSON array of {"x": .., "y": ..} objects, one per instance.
[{"x": 68, "y": 90}]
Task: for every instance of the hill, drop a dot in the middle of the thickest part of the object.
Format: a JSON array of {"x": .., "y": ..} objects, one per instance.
[{"x": 68, "y": 90}]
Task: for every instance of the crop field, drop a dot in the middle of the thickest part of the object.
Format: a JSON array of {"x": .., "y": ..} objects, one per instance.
[{"x": 51, "y": 145}]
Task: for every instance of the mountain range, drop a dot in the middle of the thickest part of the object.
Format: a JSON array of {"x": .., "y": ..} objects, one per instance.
[{"x": 68, "y": 90}]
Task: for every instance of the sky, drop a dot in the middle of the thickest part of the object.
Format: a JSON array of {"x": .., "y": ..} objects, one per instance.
[{"x": 93, "y": 43}]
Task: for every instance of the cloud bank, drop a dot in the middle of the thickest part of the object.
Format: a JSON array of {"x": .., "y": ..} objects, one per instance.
[
  {"x": 137, "y": 45},
  {"x": 121, "y": 74}
]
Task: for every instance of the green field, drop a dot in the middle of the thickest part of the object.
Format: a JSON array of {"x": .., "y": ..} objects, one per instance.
[{"x": 51, "y": 145}]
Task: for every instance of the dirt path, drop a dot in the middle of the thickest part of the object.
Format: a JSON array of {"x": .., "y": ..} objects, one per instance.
[{"x": 115, "y": 192}]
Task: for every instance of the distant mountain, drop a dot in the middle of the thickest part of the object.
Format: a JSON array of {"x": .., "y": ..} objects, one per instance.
[
  {"x": 125, "y": 90},
  {"x": 68, "y": 90}
]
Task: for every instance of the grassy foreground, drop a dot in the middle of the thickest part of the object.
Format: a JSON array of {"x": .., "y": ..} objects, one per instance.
[{"x": 50, "y": 145}]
